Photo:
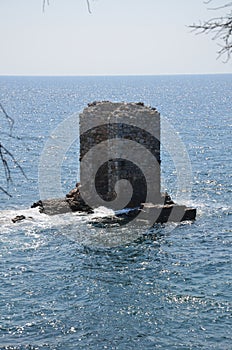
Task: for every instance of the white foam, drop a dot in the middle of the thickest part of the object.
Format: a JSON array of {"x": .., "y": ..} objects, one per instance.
[
  {"x": 34, "y": 219},
  {"x": 103, "y": 211}
]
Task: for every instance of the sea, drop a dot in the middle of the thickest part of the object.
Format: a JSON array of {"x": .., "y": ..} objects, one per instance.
[{"x": 66, "y": 283}]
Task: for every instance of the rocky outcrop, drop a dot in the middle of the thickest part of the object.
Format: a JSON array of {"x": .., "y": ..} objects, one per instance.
[
  {"x": 71, "y": 203},
  {"x": 162, "y": 214},
  {"x": 167, "y": 211}
]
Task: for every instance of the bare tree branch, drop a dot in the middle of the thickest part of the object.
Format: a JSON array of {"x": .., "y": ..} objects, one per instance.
[
  {"x": 6, "y": 157},
  {"x": 44, "y": 4},
  {"x": 218, "y": 7},
  {"x": 88, "y": 4},
  {"x": 221, "y": 28},
  {"x": 10, "y": 120},
  {"x": 4, "y": 150},
  {"x": 4, "y": 191}
]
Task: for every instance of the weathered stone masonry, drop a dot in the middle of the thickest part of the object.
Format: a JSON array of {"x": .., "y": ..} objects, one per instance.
[{"x": 106, "y": 125}]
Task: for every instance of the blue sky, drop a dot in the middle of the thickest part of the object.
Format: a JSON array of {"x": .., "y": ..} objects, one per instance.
[{"x": 120, "y": 37}]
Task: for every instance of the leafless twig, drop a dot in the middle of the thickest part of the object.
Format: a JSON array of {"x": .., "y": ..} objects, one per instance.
[
  {"x": 44, "y": 4},
  {"x": 4, "y": 191},
  {"x": 88, "y": 4},
  {"x": 10, "y": 120},
  {"x": 221, "y": 28},
  {"x": 6, "y": 157},
  {"x": 218, "y": 7}
]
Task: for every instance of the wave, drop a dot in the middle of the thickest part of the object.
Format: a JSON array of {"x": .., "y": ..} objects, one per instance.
[
  {"x": 80, "y": 227},
  {"x": 76, "y": 226}
]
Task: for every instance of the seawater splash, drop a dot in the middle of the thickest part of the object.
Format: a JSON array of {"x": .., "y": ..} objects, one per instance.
[
  {"x": 39, "y": 220},
  {"x": 76, "y": 226},
  {"x": 81, "y": 228}
]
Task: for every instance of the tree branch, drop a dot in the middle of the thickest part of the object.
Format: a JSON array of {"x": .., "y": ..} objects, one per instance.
[
  {"x": 88, "y": 4},
  {"x": 10, "y": 120},
  {"x": 218, "y": 7},
  {"x": 44, "y": 4},
  {"x": 47, "y": 2},
  {"x": 4, "y": 191},
  {"x": 6, "y": 156},
  {"x": 221, "y": 28},
  {"x": 4, "y": 150}
]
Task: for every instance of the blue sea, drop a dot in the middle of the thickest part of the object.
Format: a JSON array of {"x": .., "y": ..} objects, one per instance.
[{"x": 66, "y": 284}]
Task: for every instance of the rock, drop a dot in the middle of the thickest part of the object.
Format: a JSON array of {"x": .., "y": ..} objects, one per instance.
[
  {"x": 166, "y": 210},
  {"x": 166, "y": 199},
  {"x": 72, "y": 203},
  {"x": 104, "y": 222},
  {"x": 78, "y": 204},
  {"x": 18, "y": 218},
  {"x": 75, "y": 201},
  {"x": 37, "y": 204},
  {"x": 54, "y": 206},
  {"x": 152, "y": 214},
  {"x": 74, "y": 192}
]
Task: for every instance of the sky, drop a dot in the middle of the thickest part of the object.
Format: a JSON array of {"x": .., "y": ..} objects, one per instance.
[{"x": 119, "y": 37}]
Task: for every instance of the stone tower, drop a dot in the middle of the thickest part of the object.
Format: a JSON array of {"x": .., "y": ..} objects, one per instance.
[
  {"x": 119, "y": 142},
  {"x": 120, "y": 167}
]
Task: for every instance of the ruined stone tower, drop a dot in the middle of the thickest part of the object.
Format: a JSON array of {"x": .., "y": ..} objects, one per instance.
[
  {"x": 120, "y": 168},
  {"x": 120, "y": 141}
]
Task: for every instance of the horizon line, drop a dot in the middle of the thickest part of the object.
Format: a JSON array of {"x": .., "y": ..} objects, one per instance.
[{"x": 109, "y": 75}]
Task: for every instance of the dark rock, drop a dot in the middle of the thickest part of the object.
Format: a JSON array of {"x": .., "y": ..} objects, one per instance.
[
  {"x": 166, "y": 199},
  {"x": 37, "y": 204},
  {"x": 92, "y": 103},
  {"x": 152, "y": 214},
  {"x": 78, "y": 204},
  {"x": 54, "y": 206},
  {"x": 168, "y": 212},
  {"x": 75, "y": 201},
  {"x": 107, "y": 221},
  {"x": 74, "y": 192},
  {"x": 72, "y": 203},
  {"x": 18, "y": 218}
]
